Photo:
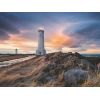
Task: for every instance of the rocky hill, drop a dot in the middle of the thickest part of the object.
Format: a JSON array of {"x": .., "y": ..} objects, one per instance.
[
  {"x": 58, "y": 64},
  {"x": 54, "y": 69}
]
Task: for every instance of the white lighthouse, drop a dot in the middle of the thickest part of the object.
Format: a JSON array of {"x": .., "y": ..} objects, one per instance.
[{"x": 41, "y": 50}]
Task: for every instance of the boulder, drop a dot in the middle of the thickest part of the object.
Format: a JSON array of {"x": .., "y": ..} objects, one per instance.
[{"x": 74, "y": 77}]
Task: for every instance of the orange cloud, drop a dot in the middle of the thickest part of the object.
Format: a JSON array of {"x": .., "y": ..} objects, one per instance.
[
  {"x": 21, "y": 43},
  {"x": 60, "y": 40},
  {"x": 55, "y": 42}
]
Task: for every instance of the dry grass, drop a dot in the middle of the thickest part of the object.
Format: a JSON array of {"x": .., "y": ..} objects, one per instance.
[
  {"x": 93, "y": 81},
  {"x": 26, "y": 74},
  {"x": 21, "y": 74}
]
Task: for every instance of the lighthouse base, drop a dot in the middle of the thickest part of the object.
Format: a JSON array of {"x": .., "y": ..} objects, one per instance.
[{"x": 40, "y": 52}]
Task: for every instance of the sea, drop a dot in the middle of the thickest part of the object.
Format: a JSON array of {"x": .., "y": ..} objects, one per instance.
[{"x": 91, "y": 55}]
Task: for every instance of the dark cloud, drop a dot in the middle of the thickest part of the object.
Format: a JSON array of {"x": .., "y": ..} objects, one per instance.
[
  {"x": 92, "y": 31},
  {"x": 12, "y": 17},
  {"x": 8, "y": 22},
  {"x": 3, "y": 35},
  {"x": 7, "y": 25},
  {"x": 88, "y": 29},
  {"x": 86, "y": 33},
  {"x": 95, "y": 16}
]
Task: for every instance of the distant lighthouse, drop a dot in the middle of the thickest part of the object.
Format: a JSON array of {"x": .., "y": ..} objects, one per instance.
[{"x": 40, "y": 50}]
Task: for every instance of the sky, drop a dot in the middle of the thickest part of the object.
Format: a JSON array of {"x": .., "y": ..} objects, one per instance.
[{"x": 64, "y": 31}]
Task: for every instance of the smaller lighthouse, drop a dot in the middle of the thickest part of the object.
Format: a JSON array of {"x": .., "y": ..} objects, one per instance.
[{"x": 41, "y": 50}]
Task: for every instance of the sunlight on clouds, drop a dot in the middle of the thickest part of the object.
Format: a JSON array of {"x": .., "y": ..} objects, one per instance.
[
  {"x": 56, "y": 42},
  {"x": 95, "y": 51},
  {"x": 59, "y": 40},
  {"x": 19, "y": 42},
  {"x": 68, "y": 49}
]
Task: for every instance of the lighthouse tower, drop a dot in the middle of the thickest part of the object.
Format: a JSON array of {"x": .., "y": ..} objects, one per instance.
[{"x": 41, "y": 50}]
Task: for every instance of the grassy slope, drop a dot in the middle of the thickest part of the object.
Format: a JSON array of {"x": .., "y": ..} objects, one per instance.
[{"x": 25, "y": 73}]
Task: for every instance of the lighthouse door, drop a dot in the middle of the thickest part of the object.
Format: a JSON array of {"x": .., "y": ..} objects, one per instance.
[{"x": 39, "y": 53}]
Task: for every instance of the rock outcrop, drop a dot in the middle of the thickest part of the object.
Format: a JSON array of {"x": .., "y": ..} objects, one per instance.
[{"x": 58, "y": 63}]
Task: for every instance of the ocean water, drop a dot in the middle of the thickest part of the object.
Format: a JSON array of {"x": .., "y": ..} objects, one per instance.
[{"x": 91, "y": 55}]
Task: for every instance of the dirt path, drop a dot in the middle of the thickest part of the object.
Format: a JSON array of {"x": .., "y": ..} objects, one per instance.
[
  {"x": 20, "y": 74},
  {"x": 11, "y": 57},
  {"x": 14, "y": 61}
]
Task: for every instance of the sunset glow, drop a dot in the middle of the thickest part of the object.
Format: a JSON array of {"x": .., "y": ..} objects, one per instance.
[{"x": 78, "y": 32}]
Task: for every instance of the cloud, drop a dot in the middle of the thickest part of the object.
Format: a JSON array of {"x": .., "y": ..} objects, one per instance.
[
  {"x": 95, "y": 16},
  {"x": 3, "y": 35},
  {"x": 59, "y": 40},
  {"x": 76, "y": 31},
  {"x": 21, "y": 43},
  {"x": 88, "y": 50},
  {"x": 7, "y": 26},
  {"x": 92, "y": 31},
  {"x": 84, "y": 33}
]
